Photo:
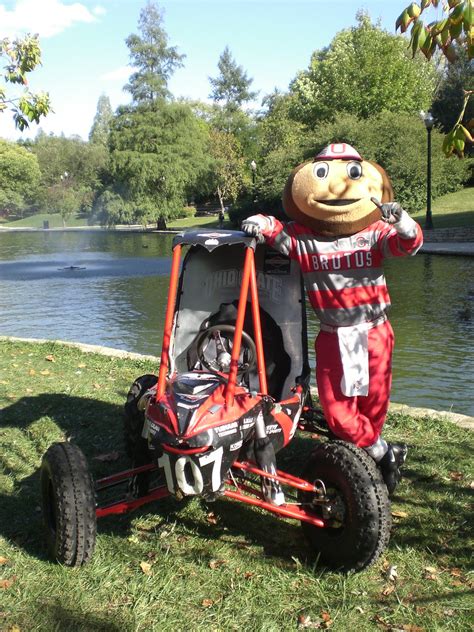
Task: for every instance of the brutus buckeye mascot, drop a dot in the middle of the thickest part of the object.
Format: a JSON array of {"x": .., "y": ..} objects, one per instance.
[{"x": 344, "y": 225}]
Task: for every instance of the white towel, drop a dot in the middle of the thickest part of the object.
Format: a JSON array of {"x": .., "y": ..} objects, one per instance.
[{"x": 354, "y": 350}]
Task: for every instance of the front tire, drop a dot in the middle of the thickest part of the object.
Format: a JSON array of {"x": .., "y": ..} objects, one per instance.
[
  {"x": 135, "y": 445},
  {"x": 358, "y": 510},
  {"x": 68, "y": 501}
]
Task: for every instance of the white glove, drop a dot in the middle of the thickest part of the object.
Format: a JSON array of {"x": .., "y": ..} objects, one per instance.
[
  {"x": 254, "y": 225},
  {"x": 396, "y": 216}
]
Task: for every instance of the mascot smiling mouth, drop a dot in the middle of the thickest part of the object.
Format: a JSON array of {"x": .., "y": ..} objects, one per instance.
[{"x": 337, "y": 202}]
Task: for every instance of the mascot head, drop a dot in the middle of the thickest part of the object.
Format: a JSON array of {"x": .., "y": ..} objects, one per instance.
[{"x": 331, "y": 194}]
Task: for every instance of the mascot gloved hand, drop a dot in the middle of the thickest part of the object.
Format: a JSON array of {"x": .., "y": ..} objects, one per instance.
[{"x": 344, "y": 224}]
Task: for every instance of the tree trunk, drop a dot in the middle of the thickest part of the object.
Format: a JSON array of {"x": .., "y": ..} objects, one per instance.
[
  {"x": 161, "y": 223},
  {"x": 221, "y": 201}
]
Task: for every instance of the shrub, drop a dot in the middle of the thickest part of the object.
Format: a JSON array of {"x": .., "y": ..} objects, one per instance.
[{"x": 186, "y": 212}]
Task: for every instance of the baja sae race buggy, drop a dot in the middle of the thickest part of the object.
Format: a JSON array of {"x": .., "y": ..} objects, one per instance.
[{"x": 232, "y": 389}]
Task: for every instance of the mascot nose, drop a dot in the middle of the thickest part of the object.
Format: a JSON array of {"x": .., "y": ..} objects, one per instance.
[{"x": 338, "y": 186}]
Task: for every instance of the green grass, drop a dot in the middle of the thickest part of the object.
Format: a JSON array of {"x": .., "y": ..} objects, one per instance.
[
  {"x": 55, "y": 221},
  {"x": 451, "y": 210},
  {"x": 207, "y": 221},
  {"x": 221, "y": 566}
]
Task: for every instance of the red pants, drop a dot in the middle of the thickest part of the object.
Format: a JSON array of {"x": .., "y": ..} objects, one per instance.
[{"x": 358, "y": 419}]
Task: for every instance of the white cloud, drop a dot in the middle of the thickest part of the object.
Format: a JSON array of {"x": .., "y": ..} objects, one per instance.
[
  {"x": 119, "y": 74},
  {"x": 98, "y": 10},
  {"x": 45, "y": 17}
]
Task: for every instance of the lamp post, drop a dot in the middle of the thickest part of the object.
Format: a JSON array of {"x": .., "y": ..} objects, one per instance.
[
  {"x": 253, "y": 166},
  {"x": 428, "y": 120}
]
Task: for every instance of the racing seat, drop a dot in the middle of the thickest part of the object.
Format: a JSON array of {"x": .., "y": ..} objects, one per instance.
[{"x": 208, "y": 295}]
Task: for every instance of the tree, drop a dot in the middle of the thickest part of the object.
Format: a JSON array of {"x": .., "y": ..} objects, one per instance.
[
  {"x": 363, "y": 71},
  {"x": 154, "y": 59},
  {"x": 85, "y": 165},
  {"x": 232, "y": 86},
  {"x": 458, "y": 77},
  {"x": 22, "y": 57},
  {"x": 99, "y": 133},
  {"x": 228, "y": 169},
  {"x": 452, "y": 36},
  {"x": 158, "y": 153},
  {"x": 19, "y": 177}
]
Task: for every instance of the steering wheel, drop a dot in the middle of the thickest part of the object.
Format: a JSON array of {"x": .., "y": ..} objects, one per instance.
[{"x": 217, "y": 341}]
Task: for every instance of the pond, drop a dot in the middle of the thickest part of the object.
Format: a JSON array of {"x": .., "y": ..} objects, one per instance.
[{"x": 110, "y": 288}]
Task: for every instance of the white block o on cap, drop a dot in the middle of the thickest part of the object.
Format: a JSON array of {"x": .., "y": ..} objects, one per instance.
[{"x": 339, "y": 151}]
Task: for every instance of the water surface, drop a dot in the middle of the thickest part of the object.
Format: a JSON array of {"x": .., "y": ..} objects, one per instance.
[{"x": 115, "y": 295}]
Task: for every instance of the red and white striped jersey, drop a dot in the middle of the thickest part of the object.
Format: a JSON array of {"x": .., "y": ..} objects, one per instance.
[{"x": 344, "y": 276}]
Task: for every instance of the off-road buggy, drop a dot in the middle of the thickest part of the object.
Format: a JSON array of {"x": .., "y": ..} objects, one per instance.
[{"x": 232, "y": 389}]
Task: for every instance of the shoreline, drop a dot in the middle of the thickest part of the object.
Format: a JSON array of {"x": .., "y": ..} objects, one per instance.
[
  {"x": 463, "y": 421},
  {"x": 451, "y": 248}
]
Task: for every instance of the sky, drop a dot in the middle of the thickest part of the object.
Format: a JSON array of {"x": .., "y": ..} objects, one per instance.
[{"x": 84, "y": 53}]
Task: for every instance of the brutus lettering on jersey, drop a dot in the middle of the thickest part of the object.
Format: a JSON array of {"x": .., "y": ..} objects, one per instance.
[{"x": 342, "y": 261}]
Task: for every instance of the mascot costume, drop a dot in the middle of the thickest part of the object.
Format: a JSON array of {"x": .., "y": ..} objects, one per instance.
[{"x": 344, "y": 224}]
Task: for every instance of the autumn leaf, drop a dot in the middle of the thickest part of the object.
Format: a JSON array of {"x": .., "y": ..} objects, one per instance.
[
  {"x": 216, "y": 564},
  {"x": 249, "y": 575},
  {"x": 391, "y": 573},
  {"x": 81, "y": 365},
  {"x": 455, "y": 572},
  {"x": 456, "y": 476},
  {"x": 211, "y": 518},
  {"x": 3, "y": 561},
  {"x": 6, "y": 583},
  {"x": 327, "y": 621},
  {"x": 45, "y": 372},
  {"x": 50, "y": 358},
  {"x": 388, "y": 591},
  {"x": 305, "y": 622},
  {"x": 431, "y": 569},
  {"x": 108, "y": 457},
  {"x": 399, "y": 514},
  {"x": 146, "y": 568},
  {"x": 31, "y": 372},
  {"x": 207, "y": 603},
  {"x": 96, "y": 385}
]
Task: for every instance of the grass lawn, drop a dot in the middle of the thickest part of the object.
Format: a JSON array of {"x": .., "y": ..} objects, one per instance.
[
  {"x": 451, "y": 210},
  {"x": 55, "y": 221},
  {"x": 220, "y": 566}
]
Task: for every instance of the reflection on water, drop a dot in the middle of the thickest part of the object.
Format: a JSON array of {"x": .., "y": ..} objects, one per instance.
[{"x": 119, "y": 300}]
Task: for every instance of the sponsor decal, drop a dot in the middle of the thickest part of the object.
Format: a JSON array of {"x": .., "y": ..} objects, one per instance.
[
  {"x": 276, "y": 263},
  {"x": 235, "y": 446},
  {"x": 272, "y": 429},
  {"x": 227, "y": 429},
  {"x": 214, "y": 235},
  {"x": 211, "y": 242},
  {"x": 268, "y": 286}
]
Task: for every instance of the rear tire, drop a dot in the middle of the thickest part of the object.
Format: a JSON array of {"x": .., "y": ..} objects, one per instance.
[
  {"x": 68, "y": 501},
  {"x": 362, "y": 518}
]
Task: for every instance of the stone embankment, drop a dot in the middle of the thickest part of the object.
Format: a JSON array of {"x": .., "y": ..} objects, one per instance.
[
  {"x": 458, "y": 235},
  {"x": 464, "y": 421}
]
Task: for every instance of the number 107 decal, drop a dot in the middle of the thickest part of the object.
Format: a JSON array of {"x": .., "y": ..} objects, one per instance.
[{"x": 191, "y": 482}]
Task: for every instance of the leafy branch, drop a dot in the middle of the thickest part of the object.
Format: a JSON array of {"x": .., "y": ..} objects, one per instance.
[
  {"x": 22, "y": 57},
  {"x": 446, "y": 35}
]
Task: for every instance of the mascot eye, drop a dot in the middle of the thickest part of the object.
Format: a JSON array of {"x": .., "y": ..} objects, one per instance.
[
  {"x": 354, "y": 170},
  {"x": 320, "y": 170}
]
